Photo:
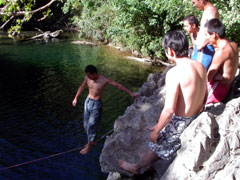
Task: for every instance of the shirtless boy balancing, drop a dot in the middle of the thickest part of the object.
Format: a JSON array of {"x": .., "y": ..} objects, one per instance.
[
  {"x": 93, "y": 104},
  {"x": 185, "y": 96},
  {"x": 225, "y": 61}
]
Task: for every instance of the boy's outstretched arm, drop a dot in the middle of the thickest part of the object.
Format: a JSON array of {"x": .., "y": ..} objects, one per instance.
[
  {"x": 119, "y": 86},
  {"x": 80, "y": 90}
]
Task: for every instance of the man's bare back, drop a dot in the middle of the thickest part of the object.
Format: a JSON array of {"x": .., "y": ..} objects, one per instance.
[
  {"x": 190, "y": 76},
  {"x": 185, "y": 96}
]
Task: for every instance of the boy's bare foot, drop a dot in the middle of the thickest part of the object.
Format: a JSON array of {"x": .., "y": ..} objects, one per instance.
[
  {"x": 128, "y": 167},
  {"x": 87, "y": 147}
]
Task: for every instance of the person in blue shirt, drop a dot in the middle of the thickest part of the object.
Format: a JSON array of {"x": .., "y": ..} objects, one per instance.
[{"x": 203, "y": 55}]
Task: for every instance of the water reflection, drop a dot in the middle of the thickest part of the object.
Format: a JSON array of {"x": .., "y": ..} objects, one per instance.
[{"x": 38, "y": 82}]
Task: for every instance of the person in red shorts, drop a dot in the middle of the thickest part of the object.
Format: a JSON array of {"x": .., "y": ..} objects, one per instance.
[{"x": 224, "y": 64}]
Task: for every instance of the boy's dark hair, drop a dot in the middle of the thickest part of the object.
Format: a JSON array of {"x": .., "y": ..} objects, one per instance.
[
  {"x": 191, "y": 20},
  {"x": 91, "y": 69},
  {"x": 177, "y": 41},
  {"x": 215, "y": 26}
]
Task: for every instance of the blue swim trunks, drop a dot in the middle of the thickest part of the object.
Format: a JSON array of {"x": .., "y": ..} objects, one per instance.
[
  {"x": 169, "y": 139},
  {"x": 92, "y": 117},
  {"x": 204, "y": 55}
]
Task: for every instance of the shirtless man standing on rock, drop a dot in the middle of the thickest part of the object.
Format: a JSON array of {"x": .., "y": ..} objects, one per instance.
[
  {"x": 202, "y": 50},
  {"x": 209, "y": 12},
  {"x": 93, "y": 104},
  {"x": 186, "y": 91}
]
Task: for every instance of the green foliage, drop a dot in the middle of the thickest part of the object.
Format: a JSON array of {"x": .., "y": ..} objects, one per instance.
[
  {"x": 11, "y": 9},
  {"x": 92, "y": 17},
  {"x": 71, "y": 5},
  {"x": 141, "y": 24},
  {"x": 17, "y": 12},
  {"x": 135, "y": 24},
  {"x": 229, "y": 11}
]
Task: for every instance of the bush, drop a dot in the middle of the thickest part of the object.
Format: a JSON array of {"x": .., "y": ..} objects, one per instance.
[
  {"x": 141, "y": 24},
  {"x": 229, "y": 11}
]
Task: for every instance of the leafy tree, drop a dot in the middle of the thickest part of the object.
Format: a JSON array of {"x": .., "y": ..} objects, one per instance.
[
  {"x": 141, "y": 24},
  {"x": 18, "y": 12},
  {"x": 229, "y": 11},
  {"x": 135, "y": 24},
  {"x": 92, "y": 17}
]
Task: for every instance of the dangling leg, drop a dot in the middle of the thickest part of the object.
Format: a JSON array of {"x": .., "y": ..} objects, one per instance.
[
  {"x": 146, "y": 160},
  {"x": 86, "y": 115},
  {"x": 142, "y": 155},
  {"x": 87, "y": 148},
  {"x": 91, "y": 133},
  {"x": 93, "y": 126}
]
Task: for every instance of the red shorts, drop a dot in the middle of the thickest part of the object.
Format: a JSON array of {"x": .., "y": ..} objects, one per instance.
[{"x": 216, "y": 92}]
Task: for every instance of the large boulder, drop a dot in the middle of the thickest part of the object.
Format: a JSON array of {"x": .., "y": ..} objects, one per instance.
[{"x": 210, "y": 145}]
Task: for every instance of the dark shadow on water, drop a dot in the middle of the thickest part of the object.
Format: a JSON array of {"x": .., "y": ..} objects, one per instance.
[{"x": 38, "y": 82}]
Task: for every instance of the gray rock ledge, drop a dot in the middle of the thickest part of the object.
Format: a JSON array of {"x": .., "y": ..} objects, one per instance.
[{"x": 210, "y": 145}]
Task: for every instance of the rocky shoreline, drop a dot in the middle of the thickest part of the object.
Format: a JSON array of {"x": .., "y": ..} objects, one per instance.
[
  {"x": 132, "y": 55},
  {"x": 210, "y": 145},
  {"x": 140, "y": 58}
]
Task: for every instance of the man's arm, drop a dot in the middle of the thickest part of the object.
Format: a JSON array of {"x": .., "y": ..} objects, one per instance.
[
  {"x": 119, "y": 86},
  {"x": 80, "y": 90},
  {"x": 218, "y": 59},
  {"x": 172, "y": 92}
]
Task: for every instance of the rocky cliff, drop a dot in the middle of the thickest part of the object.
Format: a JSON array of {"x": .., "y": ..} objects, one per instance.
[{"x": 210, "y": 145}]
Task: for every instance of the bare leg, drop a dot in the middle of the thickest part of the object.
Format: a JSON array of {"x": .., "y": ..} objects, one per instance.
[
  {"x": 141, "y": 155},
  {"x": 133, "y": 168},
  {"x": 87, "y": 147},
  {"x": 146, "y": 160}
]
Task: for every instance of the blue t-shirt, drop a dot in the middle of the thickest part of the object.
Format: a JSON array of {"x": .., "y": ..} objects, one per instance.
[{"x": 204, "y": 55}]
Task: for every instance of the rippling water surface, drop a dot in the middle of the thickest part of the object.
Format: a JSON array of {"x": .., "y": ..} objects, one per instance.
[{"x": 38, "y": 82}]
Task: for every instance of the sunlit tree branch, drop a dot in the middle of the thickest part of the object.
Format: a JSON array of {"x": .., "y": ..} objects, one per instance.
[{"x": 19, "y": 12}]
